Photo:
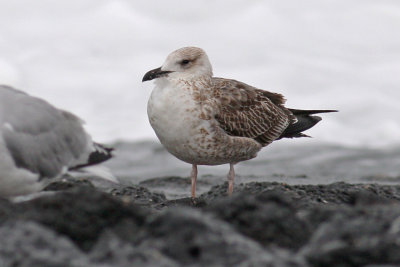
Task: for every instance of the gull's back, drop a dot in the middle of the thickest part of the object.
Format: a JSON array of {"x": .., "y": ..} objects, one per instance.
[{"x": 37, "y": 141}]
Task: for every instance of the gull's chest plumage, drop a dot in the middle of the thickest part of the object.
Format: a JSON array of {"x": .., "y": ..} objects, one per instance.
[
  {"x": 174, "y": 115},
  {"x": 183, "y": 121}
]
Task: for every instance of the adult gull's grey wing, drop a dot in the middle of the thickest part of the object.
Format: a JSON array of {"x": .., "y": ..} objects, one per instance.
[{"x": 39, "y": 137}]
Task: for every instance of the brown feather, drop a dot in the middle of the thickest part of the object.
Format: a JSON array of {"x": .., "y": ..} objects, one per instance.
[{"x": 246, "y": 111}]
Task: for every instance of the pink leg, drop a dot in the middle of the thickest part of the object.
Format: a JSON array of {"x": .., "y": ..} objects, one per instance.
[
  {"x": 194, "y": 180},
  {"x": 231, "y": 178}
]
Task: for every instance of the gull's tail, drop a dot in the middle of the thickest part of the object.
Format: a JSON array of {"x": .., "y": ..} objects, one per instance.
[{"x": 304, "y": 121}]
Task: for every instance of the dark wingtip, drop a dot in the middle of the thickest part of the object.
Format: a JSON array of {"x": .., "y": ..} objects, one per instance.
[
  {"x": 100, "y": 154},
  {"x": 316, "y": 118},
  {"x": 310, "y": 112}
]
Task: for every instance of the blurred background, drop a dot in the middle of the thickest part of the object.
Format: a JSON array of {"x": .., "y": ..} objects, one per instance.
[{"x": 89, "y": 56}]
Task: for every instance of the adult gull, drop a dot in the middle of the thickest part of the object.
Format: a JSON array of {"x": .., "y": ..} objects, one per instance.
[
  {"x": 204, "y": 120},
  {"x": 39, "y": 141}
]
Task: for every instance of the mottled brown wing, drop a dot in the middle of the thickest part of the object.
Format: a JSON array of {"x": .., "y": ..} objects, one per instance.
[{"x": 250, "y": 112}]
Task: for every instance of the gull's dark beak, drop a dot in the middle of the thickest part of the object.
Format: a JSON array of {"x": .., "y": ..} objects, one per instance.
[{"x": 156, "y": 73}]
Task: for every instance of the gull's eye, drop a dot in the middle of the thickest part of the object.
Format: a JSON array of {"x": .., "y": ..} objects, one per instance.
[{"x": 185, "y": 62}]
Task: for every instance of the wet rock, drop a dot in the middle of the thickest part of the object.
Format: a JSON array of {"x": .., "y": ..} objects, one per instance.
[
  {"x": 369, "y": 235},
  {"x": 344, "y": 193},
  {"x": 113, "y": 251},
  {"x": 183, "y": 202},
  {"x": 262, "y": 224},
  {"x": 253, "y": 188},
  {"x": 191, "y": 237},
  {"x": 138, "y": 195},
  {"x": 66, "y": 183},
  {"x": 80, "y": 214},
  {"x": 268, "y": 218},
  {"x": 6, "y": 210},
  {"x": 314, "y": 195},
  {"x": 28, "y": 244}
]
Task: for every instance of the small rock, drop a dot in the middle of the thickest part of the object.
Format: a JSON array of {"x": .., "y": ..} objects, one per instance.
[
  {"x": 138, "y": 195},
  {"x": 81, "y": 214},
  {"x": 368, "y": 235},
  {"x": 66, "y": 183},
  {"x": 113, "y": 251},
  {"x": 28, "y": 244},
  {"x": 267, "y": 218},
  {"x": 191, "y": 237}
]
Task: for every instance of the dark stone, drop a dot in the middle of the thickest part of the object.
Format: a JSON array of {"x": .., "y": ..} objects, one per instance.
[
  {"x": 368, "y": 235},
  {"x": 138, "y": 195},
  {"x": 28, "y": 244},
  {"x": 314, "y": 195},
  {"x": 191, "y": 237},
  {"x": 113, "y": 251},
  {"x": 67, "y": 183},
  {"x": 262, "y": 224},
  {"x": 183, "y": 202},
  {"x": 268, "y": 218},
  {"x": 343, "y": 193},
  {"x": 81, "y": 214},
  {"x": 6, "y": 210}
]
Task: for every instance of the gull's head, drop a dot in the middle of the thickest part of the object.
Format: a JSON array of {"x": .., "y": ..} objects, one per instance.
[{"x": 186, "y": 63}]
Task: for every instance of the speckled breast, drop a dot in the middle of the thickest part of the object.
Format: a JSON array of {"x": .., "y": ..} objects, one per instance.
[{"x": 179, "y": 124}]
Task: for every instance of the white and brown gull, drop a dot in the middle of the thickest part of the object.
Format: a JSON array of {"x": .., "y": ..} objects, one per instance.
[
  {"x": 205, "y": 120},
  {"x": 39, "y": 141}
]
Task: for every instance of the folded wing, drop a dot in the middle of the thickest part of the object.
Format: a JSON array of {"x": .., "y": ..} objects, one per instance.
[
  {"x": 39, "y": 137},
  {"x": 250, "y": 112}
]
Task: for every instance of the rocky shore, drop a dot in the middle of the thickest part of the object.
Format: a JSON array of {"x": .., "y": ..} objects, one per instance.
[{"x": 90, "y": 222}]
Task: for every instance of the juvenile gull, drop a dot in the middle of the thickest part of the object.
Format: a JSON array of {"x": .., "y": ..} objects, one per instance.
[
  {"x": 205, "y": 120},
  {"x": 39, "y": 141}
]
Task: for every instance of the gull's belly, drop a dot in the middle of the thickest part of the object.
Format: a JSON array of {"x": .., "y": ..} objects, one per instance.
[
  {"x": 176, "y": 120},
  {"x": 177, "y": 124}
]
